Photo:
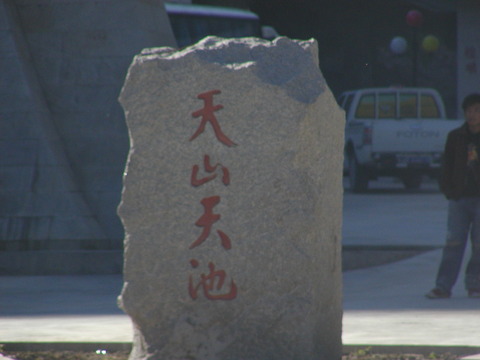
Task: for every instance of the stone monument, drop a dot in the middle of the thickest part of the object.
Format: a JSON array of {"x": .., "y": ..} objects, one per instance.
[{"x": 232, "y": 203}]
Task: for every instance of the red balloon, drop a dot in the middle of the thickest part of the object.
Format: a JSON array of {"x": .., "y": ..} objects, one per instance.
[{"x": 414, "y": 18}]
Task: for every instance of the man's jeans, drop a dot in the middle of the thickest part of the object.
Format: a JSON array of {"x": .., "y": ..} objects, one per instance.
[{"x": 463, "y": 218}]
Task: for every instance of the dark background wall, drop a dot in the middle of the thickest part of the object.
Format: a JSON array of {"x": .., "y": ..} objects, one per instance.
[
  {"x": 63, "y": 136},
  {"x": 354, "y": 38}
]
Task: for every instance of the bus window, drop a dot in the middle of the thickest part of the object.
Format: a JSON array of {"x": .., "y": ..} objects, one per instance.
[{"x": 191, "y": 23}]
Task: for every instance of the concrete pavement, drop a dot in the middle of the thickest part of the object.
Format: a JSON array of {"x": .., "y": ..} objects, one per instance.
[
  {"x": 62, "y": 309},
  {"x": 384, "y": 306},
  {"x": 390, "y": 215}
]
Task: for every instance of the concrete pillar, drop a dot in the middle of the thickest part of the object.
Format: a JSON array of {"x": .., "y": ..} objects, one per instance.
[{"x": 468, "y": 49}]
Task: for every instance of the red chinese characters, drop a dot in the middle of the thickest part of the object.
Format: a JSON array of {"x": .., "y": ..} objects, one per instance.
[
  {"x": 206, "y": 221},
  {"x": 213, "y": 283},
  {"x": 195, "y": 181},
  {"x": 207, "y": 113}
]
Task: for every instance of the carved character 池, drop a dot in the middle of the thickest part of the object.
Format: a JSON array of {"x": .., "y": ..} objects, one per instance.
[{"x": 211, "y": 283}]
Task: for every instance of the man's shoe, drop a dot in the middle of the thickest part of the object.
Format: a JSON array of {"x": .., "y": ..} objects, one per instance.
[
  {"x": 474, "y": 293},
  {"x": 438, "y": 293}
]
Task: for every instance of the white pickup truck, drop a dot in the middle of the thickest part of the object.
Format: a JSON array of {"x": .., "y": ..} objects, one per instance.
[{"x": 398, "y": 132}]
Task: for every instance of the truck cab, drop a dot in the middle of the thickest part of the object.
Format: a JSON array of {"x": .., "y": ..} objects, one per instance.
[{"x": 397, "y": 132}]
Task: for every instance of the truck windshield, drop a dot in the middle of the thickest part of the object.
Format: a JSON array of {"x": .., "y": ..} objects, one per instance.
[
  {"x": 387, "y": 106},
  {"x": 366, "y": 107},
  {"x": 408, "y": 105},
  {"x": 429, "y": 107}
]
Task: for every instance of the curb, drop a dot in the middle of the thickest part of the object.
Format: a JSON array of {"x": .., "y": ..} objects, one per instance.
[
  {"x": 65, "y": 346},
  {"x": 464, "y": 352},
  {"x": 356, "y": 257}
]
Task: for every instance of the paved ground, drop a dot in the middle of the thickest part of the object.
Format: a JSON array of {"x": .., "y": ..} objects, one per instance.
[
  {"x": 383, "y": 305},
  {"x": 389, "y": 215},
  {"x": 62, "y": 309}
]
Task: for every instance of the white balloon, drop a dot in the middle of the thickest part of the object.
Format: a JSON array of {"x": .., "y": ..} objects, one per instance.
[{"x": 398, "y": 45}]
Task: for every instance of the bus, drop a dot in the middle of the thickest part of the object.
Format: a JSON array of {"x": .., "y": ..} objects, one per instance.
[{"x": 191, "y": 23}]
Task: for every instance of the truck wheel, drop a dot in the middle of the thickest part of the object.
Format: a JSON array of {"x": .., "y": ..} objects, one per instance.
[
  {"x": 412, "y": 181},
  {"x": 357, "y": 175}
]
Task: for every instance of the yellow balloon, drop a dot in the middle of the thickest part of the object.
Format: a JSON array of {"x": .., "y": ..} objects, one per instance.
[{"x": 430, "y": 43}]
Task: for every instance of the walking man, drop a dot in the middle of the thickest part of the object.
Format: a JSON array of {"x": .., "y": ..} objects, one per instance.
[{"x": 460, "y": 184}]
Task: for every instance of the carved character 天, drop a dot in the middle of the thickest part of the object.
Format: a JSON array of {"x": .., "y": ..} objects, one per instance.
[
  {"x": 207, "y": 220},
  {"x": 207, "y": 114}
]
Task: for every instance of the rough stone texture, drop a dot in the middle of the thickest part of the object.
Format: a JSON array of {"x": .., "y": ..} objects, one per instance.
[{"x": 281, "y": 209}]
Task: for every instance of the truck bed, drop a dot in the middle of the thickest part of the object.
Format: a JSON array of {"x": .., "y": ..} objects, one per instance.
[{"x": 411, "y": 135}]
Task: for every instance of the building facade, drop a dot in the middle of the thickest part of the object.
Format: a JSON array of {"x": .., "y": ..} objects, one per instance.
[{"x": 468, "y": 49}]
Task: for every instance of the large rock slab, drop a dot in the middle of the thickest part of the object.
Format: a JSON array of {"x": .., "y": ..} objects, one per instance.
[
  {"x": 62, "y": 65},
  {"x": 232, "y": 203}
]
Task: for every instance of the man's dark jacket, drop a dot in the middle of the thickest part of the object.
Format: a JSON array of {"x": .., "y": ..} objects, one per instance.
[{"x": 455, "y": 168}]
